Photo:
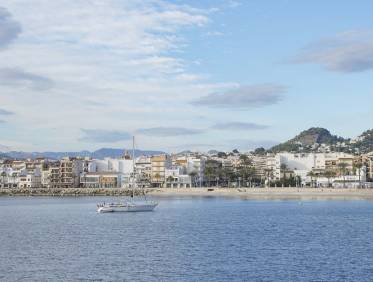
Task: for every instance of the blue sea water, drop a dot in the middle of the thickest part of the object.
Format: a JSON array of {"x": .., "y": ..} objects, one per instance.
[{"x": 186, "y": 239}]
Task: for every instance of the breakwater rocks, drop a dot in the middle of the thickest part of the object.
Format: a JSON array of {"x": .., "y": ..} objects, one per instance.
[{"x": 71, "y": 192}]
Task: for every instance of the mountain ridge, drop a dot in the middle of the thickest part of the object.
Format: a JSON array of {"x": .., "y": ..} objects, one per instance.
[{"x": 97, "y": 154}]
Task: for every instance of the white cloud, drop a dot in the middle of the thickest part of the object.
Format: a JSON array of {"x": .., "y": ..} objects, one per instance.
[{"x": 110, "y": 64}]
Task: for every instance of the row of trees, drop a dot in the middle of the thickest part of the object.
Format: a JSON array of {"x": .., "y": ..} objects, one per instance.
[
  {"x": 218, "y": 175},
  {"x": 342, "y": 170},
  {"x": 5, "y": 175}
]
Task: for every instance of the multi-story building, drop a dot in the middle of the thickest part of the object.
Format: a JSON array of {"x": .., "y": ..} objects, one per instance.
[
  {"x": 176, "y": 177},
  {"x": 100, "y": 180},
  {"x": 9, "y": 178},
  {"x": 196, "y": 165},
  {"x": 143, "y": 171},
  {"x": 65, "y": 173},
  {"x": 260, "y": 165},
  {"x": 158, "y": 166},
  {"x": 30, "y": 179}
]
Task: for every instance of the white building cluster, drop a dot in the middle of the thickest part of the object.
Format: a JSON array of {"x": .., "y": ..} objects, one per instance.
[
  {"x": 192, "y": 170},
  {"x": 124, "y": 172}
]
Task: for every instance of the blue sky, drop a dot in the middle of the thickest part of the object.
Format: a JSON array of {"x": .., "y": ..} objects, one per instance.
[{"x": 181, "y": 74}]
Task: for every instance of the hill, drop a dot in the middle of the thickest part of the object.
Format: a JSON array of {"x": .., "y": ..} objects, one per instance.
[
  {"x": 310, "y": 140},
  {"x": 364, "y": 143}
]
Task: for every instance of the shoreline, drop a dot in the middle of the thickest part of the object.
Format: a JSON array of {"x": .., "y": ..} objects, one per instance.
[{"x": 243, "y": 193}]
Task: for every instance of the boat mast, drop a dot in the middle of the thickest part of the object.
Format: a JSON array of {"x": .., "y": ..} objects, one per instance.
[{"x": 133, "y": 165}]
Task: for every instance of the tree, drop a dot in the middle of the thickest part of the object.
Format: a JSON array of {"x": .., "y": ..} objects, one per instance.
[
  {"x": 329, "y": 174},
  {"x": 193, "y": 175},
  {"x": 212, "y": 171},
  {"x": 245, "y": 170},
  {"x": 170, "y": 179},
  {"x": 3, "y": 175},
  {"x": 283, "y": 169},
  {"x": 157, "y": 180},
  {"x": 14, "y": 176},
  {"x": 260, "y": 151},
  {"x": 343, "y": 170},
  {"x": 227, "y": 174},
  {"x": 358, "y": 165},
  {"x": 312, "y": 175},
  {"x": 222, "y": 155},
  {"x": 269, "y": 175},
  {"x": 235, "y": 151}
]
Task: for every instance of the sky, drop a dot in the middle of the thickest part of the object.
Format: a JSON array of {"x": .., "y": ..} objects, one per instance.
[{"x": 198, "y": 75}]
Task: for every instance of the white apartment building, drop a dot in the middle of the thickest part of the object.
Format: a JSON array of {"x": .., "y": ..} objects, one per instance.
[
  {"x": 197, "y": 165},
  {"x": 9, "y": 178},
  {"x": 303, "y": 163},
  {"x": 176, "y": 177},
  {"x": 29, "y": 179}
]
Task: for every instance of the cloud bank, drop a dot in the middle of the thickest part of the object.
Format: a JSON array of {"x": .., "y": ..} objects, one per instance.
[
  {"x": 239, "y": 126},
  {"x": 9, "y": 28},
  {"x": 104, "y": 136},
  {"x": 168, "y": 131},
  {"x": 18, "y": 77},
  {"x": 244, "y": 97},
  {"x": 4, "y": 112},
  {"x": 346, "y": 52}
]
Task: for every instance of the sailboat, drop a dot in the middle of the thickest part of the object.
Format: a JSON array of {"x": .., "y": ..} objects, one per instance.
[{"x": 131, "y": 205}]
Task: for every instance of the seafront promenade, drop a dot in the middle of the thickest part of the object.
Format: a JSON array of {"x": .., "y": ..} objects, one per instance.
[{"x": 245, "y": 193}]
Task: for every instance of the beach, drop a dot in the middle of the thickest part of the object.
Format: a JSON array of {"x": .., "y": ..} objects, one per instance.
[
  {"x": 270, "y": 193},
  {"x": 245, "y": 193}
]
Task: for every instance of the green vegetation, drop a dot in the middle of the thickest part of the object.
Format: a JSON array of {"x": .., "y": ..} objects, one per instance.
[
  {"x": 310, "y": 140},
  {"x": 306, "y": 139}
]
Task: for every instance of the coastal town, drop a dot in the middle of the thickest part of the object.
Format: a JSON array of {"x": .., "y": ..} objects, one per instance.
[{"x": 193, "y": 169}]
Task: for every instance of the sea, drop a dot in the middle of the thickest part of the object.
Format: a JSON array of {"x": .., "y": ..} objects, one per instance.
[{"x": 186, "y": 239}]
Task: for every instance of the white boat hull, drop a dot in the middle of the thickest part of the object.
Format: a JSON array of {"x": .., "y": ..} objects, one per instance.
[{"x": 127, "y": 207}]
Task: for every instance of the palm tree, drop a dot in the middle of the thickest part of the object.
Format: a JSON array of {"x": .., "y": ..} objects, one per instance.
[
  {"x": 245, "y": 171},
  {"x": 170, "y": 179},
  {"x": 157, "y": 179},
  {"x": 312, "y": 175},
  {"x": 283, "y": 169},
  {"x": 343, "y": 169},
  {"x": 211, "y": 170},
  {"x": 3, "y": 175},
  {"x": 269, "y": 175},
  {"x": 14, "y": 176},
  {"x": 227, "y": 174},
  {"x": 329, "y": 174},
  {"x": 358, "y": 165},
  {"x": 193, "y": 175}
]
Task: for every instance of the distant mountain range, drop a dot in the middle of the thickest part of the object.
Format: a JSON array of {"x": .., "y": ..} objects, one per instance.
[
  {"x": 317, "y": 139},
  {"x": 98, "y": 154}
]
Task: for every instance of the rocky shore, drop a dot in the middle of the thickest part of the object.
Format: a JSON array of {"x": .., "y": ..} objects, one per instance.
[{"x": 68, "y": 192}]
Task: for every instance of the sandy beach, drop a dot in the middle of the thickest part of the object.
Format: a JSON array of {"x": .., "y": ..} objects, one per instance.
[
  {"x": 269, "y": 193},
  {"x": 244, "y": 193}
]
